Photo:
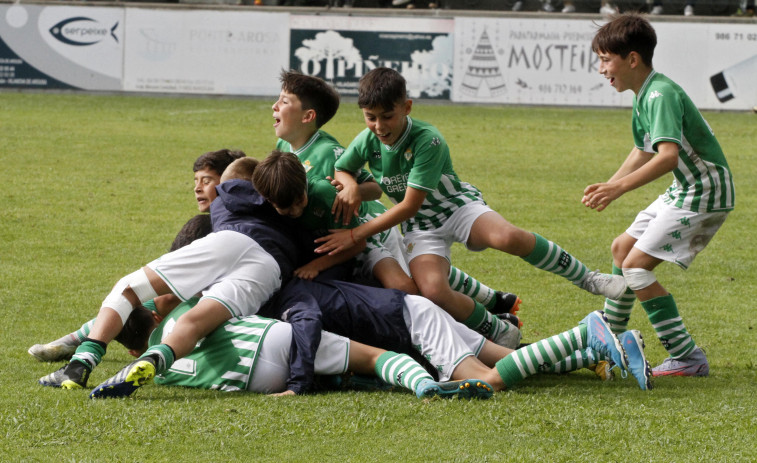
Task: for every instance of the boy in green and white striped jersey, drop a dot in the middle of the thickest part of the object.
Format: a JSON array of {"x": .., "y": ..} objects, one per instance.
[
  {"x": 670, "y": 135},
  {"x": 411, "y": 161}
]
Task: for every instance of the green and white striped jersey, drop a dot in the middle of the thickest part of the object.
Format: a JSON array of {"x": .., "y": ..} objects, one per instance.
[
  {"x": 420, "y": 159},
  {"x": 224, "y": 360},
  {"x": 662, "y": 112},
  {"x": 318, "y": 156}
]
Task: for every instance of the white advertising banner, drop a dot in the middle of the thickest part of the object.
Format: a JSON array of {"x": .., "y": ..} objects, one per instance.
[
  {"x": 529, "y": 61},
  {"x": 342, "y": 49},
  {"x": 61, "y": 47},
  {"x": 210, "y": 52},
  {"x": 550, "y": 62},
  {"x": 716, "y": 63}
]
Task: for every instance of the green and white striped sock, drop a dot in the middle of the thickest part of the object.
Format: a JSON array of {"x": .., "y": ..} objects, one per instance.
[
  {"x": 463, "y": 283},
  {"x": 164, "y": 355},
  {"x": 583, "y": 358},
  {"x": 548, "y": 256},
  {"x": 90, "y": 353},
  {"x": 400, "y": 370},
  {"x": 663, "y": 313},
  {"x": 486, "y": 323},
  {"x": 618, "y": 312},
  {"x": 541, "y": 355}
]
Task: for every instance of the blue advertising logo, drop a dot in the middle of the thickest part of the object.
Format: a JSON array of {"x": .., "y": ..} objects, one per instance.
[{"x": 81, "y": 31}]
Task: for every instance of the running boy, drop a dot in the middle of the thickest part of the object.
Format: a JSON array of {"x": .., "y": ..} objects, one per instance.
[
  {"x": 670, "y": 135},
  {"x": 434, "y": 207},
  {"x": 304, "y": 105}
]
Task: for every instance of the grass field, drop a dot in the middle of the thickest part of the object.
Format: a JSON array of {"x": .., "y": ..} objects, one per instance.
[{"x": 96, "y": 186}]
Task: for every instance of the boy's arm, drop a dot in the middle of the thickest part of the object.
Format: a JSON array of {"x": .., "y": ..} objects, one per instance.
[
  {"x": 370, "y": 190},
  {"x": 348, "y": 198},
  {"x": 302, "y": 312},
  {"x": 638, "y": 169},
  {"x": 311, "y": 270},
  {"x": 339, "y": 240}
]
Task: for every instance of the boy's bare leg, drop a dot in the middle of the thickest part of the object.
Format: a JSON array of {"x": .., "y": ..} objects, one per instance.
[{"x": 430, "y": 273}]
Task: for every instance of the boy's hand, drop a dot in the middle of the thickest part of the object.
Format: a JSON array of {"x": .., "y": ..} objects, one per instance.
[
  {"x": 336, "y": 241},
  {"x": 346, "y": 203},
  {"x": 600, "y": 195},
  {"x": 307, "y": 272}
]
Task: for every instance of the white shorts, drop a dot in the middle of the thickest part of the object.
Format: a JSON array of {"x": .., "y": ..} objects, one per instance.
[
  {"x": 439, "y": 241},
  {"x": 388, "y": 247},
  {"x": 442, "y": 340},
  {"x": 227, "y": 266},
  {"x": 272, "y": 366},
  {"x": 672, "y": 234}
]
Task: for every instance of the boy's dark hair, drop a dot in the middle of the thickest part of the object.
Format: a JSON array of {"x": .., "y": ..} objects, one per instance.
[
  {"x": 242, "y": 169},
  {"x": 280, "y": 178},
  {"x": 625, "y": 33},
  {"x": 217, "y": 160},
  {"x": 195, "y": 228},
  {"x": 381, "y": 88},
  {"x": 136, "y": 331},
  {"x": 314, "y": 93}
]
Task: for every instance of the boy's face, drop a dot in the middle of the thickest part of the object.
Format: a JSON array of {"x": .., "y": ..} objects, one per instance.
[
  {"x": 617, "y": 69},
  {"x": 205, "y": 187},
  {"x": 295, "y": 210},
  {"x": 388, "y": 126},
  {"x": 289, "y": 116}
]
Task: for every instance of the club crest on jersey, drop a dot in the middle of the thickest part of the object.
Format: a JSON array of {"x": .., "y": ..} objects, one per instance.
[
  {"x": 307, "y": 166},
  {"x": 654, "y": 95},
  {"x": 408, "y": 155}
]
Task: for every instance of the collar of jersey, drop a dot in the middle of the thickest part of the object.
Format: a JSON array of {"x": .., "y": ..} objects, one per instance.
[
  {"x": 404, "y": 136},
  {"x": 646, "y": 83},
  {"x": 310, "y": 142}
]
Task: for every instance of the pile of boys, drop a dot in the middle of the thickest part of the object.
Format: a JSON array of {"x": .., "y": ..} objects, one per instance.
[{"x": 423, "y": 324}]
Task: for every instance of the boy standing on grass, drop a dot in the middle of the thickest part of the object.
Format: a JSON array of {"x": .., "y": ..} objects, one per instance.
[
  {"x": 670, "y": 135},
  {"x": 435, "y": 208},
  {"x": 304, "y": 105}
]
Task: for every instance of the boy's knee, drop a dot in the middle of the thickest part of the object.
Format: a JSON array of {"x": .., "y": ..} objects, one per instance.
[
  {"x": 438, "y": 294},
  {"x": 621, "y": 246},
  {"x": 638, "y": 278},
  {"x": 406, "y": 285}
]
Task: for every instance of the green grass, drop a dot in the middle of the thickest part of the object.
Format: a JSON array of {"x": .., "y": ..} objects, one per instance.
[{"x": 96, "y": 186}]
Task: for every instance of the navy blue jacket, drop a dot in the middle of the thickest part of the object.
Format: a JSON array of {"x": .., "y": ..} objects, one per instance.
[
  {"x": 369, "y": 315},
  {"x": 239, "y": 207}
]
